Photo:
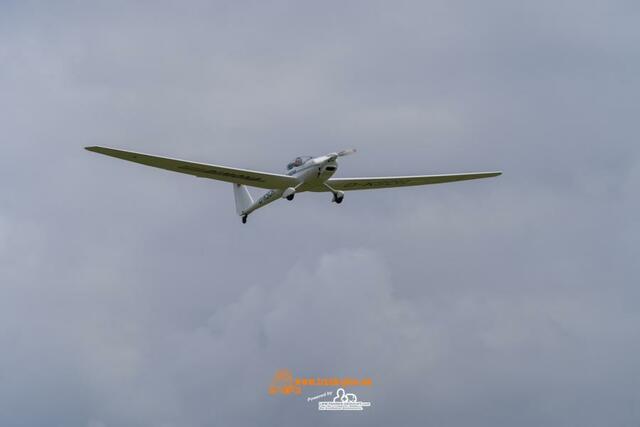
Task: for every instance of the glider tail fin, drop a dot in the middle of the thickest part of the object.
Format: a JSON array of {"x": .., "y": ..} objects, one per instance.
[{"x": 243, "y": 198}]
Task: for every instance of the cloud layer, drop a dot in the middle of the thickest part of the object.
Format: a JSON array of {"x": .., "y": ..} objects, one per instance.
[{"x": 131, "y": 296}]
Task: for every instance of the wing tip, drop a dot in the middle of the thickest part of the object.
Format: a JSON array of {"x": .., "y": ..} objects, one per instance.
[{"x": 100, "y": 149}]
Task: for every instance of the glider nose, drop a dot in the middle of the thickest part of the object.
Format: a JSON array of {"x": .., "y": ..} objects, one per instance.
[
  {"x": 323, "y": 160},
  {"x": 330, "y": 165}
]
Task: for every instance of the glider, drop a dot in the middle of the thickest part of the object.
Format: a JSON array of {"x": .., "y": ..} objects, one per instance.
[{"x": 303, "y": 174}]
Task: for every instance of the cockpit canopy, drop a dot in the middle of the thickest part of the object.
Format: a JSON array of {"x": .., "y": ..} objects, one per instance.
[{"x": 298, "y": 161}]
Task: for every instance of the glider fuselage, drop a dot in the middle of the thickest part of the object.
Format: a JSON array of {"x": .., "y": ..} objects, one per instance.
[
  {"x": 311, "y": 176},
  {"x": 314, "y": 174}
]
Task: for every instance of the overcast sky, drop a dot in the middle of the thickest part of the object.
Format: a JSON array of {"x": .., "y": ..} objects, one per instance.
[{"x": 131, "y": 296}]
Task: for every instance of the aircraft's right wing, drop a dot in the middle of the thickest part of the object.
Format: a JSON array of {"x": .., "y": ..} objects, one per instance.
[
  {"x": 346, "y": 184},
  {"x": 269, "y": 181}
]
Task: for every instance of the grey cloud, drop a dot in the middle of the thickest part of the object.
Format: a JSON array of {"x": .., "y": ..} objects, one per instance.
[{"x": 130, "y": 296}]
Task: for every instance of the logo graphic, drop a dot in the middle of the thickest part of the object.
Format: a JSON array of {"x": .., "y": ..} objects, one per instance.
[
  {"x": 282, "y": 382},
  {"x": 343, "y": 401}
]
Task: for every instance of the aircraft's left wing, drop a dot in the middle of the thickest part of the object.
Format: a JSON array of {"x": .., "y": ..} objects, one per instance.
[
  {"x": 346, "y": 184},
  {"x": 269, "y": 181}
]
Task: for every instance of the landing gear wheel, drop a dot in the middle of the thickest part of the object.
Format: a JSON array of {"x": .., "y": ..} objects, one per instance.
[
  {"x": 244, "y": 219},
  {"x": 290, "y": 197},
  {"x": 339, "y": 199}
]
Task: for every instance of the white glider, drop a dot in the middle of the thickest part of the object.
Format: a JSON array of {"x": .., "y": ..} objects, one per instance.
[{"x": 303, "y": 174}]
